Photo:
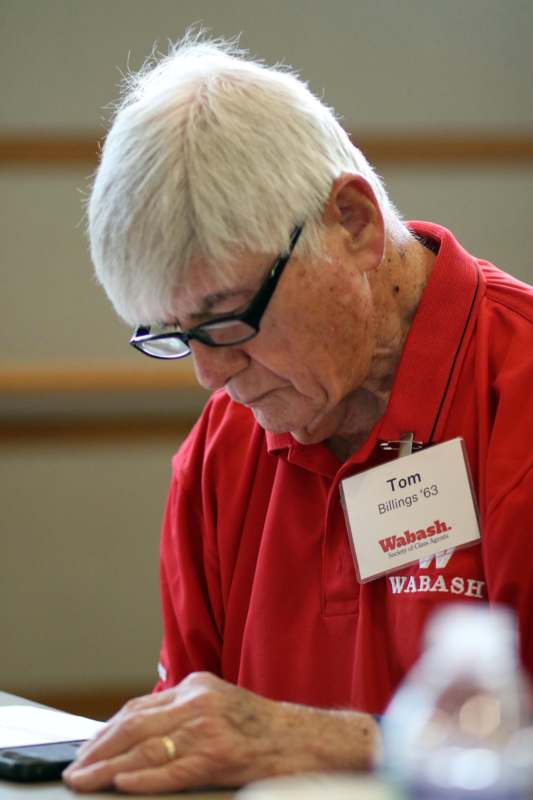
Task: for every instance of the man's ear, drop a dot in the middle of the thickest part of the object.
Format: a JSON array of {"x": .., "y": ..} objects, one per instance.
[{"x": 352, "y": 204}]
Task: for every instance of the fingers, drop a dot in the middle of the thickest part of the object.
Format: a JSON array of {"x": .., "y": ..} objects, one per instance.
[
  {"x": 186, "y": 773},
  {"x": 154, "y": 753}
]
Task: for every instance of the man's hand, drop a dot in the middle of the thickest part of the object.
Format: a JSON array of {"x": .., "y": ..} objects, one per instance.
[{"x": 220, "y": 735}]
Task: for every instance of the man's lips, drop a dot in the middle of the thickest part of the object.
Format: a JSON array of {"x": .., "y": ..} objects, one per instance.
[
  {"x": 253, "y": 401},
  {"x": 250, "y": 401}
]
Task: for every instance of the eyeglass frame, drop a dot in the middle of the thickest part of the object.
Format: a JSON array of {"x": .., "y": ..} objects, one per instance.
[{"x": 251, "y": 315}]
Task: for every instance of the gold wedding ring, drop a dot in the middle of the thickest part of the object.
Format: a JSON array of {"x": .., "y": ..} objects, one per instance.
[{"x": 170, "y": 747}]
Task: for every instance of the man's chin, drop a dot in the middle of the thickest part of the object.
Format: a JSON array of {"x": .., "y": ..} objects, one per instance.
[
  {"x": 269, "y": 422},
  {"x": 272, "y": 421},
  {"x": 305, "y": 436},
  {"x": 302, "y": 434}
]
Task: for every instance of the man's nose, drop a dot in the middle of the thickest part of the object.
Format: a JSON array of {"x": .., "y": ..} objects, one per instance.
[{"x": 214, "y": 366}]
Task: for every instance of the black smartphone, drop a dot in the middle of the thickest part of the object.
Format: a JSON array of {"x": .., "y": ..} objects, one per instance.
[{"x": 37, "y": 762}]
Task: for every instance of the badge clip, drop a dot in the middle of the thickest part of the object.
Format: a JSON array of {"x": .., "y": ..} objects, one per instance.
[{"x": 405, "y": 445}]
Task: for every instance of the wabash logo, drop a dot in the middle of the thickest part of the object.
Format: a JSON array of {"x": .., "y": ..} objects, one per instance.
[
  {"x": 439, "y": 583},
  {"x": 410, "y": 537}
]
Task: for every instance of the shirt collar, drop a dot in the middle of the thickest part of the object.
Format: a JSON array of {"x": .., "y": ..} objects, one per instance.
[{"x": 435, "y": 340}]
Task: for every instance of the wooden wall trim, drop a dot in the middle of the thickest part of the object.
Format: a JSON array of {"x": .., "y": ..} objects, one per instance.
[
  {"x": 48, "y": 149},
  {"x": 101, "y": 430},
  {"x": 448, "y": 148},
  {"x": 55, "y": 149},
  {"x": 95, "y": 376},
  {"x": 43, "y": 385}
]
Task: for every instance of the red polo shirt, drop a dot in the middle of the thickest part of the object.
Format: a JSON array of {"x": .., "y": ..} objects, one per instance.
[{"x": 257, "y": 575}]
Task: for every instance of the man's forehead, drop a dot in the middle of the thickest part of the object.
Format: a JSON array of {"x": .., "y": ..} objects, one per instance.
[
  {"x": 204, "y": 286},
  {"x": 210, "y": 301}
]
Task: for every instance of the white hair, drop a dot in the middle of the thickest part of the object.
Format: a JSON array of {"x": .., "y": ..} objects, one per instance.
[{"x": 211, "y": 153}]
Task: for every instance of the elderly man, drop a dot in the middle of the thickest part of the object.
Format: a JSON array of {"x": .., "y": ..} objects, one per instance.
[{"x": 232, "y": 220}]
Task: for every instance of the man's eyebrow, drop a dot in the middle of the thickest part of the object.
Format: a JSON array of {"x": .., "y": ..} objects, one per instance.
[{"x": 213, "y": 299}]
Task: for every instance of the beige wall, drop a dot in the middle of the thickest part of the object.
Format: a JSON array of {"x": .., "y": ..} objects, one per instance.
[{"x": 78, "y": 569}]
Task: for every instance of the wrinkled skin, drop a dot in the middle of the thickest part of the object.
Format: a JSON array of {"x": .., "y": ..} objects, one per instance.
[{"x": 224, "y": 736}]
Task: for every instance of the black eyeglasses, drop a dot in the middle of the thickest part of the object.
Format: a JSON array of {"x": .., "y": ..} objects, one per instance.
[{"x": 223, "y": 331}]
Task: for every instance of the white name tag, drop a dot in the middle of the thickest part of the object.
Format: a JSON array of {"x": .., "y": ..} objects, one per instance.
[{"x": 410, "y": 508}]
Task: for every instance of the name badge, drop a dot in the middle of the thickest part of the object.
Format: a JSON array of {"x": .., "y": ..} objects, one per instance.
[{"x": 410, "y": 508}]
